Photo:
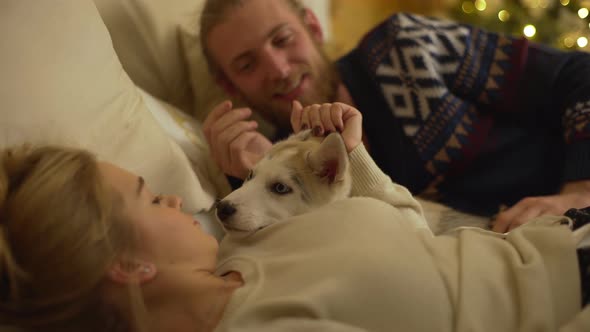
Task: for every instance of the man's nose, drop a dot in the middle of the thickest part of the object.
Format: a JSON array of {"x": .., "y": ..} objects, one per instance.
[
  {"x": 277, "y": 64},
  {"x": 174, "y": 201}
]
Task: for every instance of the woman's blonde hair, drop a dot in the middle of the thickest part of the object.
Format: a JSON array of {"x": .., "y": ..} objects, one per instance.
[{"x": 59, "y": 233}]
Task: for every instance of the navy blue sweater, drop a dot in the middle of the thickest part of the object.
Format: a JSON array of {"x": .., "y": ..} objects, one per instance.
[{"x": 468, "y": 117}]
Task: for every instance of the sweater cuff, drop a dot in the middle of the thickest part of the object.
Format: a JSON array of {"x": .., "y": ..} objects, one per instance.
[
  {"x": 366, "y": 175},
  {"x": 577, "y": 161}
]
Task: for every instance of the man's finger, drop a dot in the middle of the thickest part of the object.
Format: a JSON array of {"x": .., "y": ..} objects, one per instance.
[
  {"x": 217, "y": 112},
  {"x": 525, "y": 216},
  {"x": 506, "y": 217},
  {"x": 240, "y": 158}
]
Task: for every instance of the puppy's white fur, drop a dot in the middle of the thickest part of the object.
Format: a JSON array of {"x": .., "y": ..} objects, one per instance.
[{"x": 297, "y": 175}]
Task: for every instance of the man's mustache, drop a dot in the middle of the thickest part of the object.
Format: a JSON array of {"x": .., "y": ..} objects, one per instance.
[{"x": 289, "y": 83}]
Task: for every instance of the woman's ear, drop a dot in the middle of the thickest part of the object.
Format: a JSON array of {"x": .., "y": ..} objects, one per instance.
[
  {"x": 313, "y": 25},
  {"x": 126, "y": 271}
]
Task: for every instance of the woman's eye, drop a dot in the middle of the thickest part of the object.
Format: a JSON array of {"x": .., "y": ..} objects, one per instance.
[
  {"x": 281, "y": 188},
  {"x": 157, "y": 199},
  {"x": 250, "y": 176}
]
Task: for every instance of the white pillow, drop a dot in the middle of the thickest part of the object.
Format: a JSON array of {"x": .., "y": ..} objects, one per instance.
[
  {"x": 63, "y": 84},
  {"x": 187, "y": 132},
  {"x": 146, "y": 37}
]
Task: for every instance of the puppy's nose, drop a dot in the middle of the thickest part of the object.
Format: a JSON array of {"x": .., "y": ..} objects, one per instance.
[{"x": 225, "y": 210}]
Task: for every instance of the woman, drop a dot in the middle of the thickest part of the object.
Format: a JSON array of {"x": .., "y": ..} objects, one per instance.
[{"x": 86, "y": 246}]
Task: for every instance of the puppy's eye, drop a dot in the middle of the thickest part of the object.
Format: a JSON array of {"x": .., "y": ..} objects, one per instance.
[
  {"x": 280, "y": 188},
  {"x": 250, "y": 176}
]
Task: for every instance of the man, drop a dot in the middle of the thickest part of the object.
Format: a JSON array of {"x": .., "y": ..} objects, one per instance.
[{"x": 476, "y": 120}]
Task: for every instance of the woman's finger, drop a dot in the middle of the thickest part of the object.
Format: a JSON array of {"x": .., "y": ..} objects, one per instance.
[
  {"x": 296, "y": 113},
  {"x": 326, "y": 118},
  {"x": 315, "y": 121}
]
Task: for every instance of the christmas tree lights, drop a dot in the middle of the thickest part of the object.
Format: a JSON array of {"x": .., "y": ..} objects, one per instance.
[{"x": 560, "y": 23}]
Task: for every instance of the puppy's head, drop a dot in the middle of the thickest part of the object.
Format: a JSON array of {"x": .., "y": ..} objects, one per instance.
[{"x": 297, "y": 175}]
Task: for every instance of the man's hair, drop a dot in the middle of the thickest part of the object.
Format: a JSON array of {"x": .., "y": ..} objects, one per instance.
[{"x": 214, "y": 13}]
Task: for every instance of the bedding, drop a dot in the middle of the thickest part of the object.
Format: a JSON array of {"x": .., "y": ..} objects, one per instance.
[{"x": 64, "y": 84}]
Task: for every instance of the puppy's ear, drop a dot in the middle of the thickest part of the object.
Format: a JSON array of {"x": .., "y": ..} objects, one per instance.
[{"x": 330, "y": 159}]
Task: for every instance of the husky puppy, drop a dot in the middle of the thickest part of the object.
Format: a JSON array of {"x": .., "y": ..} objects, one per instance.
[{"x": 297, "y": 175}]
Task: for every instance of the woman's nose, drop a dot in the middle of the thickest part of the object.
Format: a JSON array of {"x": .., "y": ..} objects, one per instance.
[{"x": 174, "y": 201}]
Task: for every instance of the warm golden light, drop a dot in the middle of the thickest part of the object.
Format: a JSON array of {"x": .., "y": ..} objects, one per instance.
[
  {"x": 583, "y": 12},
  {"x": 504, "y": 15},
  {"x": 565, "y": 2},
  {"x": 582, "y": 42},
  {"x": 568, "y": 42},
  {"x": 468, "y": 7},
  {"x": 530, "y": 31},
  {"x": 481, "y": 5}
]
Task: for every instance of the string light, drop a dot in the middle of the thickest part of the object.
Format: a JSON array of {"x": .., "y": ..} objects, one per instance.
[
  {"x": 529, "y": 30},
  {"x": 504, "y": 15},
  {"x": 468, "y": 7},
  {"x": 481, "y": 5},
  {"x": 537, "y": 13}
]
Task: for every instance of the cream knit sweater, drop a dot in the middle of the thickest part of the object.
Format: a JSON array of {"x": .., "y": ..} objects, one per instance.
[{"x": 364, "y": 265}]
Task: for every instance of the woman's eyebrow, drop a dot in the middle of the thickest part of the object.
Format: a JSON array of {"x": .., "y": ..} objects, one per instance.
[{"x": 140, "y": 184}]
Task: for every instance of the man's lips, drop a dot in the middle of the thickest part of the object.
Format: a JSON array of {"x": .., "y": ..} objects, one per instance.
[{"x": 296, "y": 91}]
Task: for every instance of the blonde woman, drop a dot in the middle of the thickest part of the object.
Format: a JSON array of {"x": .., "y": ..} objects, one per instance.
[{"x": 86, "y": 246}]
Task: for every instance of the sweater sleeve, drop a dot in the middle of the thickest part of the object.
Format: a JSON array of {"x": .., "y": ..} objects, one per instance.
[
  {"x": 369, "y": 180},
  {"x": 572, "y": 91}
]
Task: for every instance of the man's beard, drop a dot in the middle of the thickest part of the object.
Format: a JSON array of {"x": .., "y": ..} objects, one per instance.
[{"x": 325, "y": 83}]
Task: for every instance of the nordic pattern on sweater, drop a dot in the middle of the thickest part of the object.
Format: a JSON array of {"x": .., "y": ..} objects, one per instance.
[{"x": 448, "y": 86}]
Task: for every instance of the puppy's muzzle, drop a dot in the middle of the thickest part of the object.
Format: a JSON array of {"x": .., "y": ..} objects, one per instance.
[{"x": 225, "y": 210}]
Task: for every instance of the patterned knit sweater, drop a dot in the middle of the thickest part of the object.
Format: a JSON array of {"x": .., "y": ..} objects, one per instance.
[{"x": 468, "y": 117}]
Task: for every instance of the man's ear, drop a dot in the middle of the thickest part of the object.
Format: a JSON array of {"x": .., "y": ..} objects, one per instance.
[
  {"x": 226, "y": 85},
  {"x": 128, "y": 271},
  {"x": 313, "y": 24}
]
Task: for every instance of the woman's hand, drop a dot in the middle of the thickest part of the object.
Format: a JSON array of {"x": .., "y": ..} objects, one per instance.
[{"x": 327, "y": 118}]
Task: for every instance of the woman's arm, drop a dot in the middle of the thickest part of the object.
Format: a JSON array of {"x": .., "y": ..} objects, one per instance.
[{"x": 368, "y": 180}]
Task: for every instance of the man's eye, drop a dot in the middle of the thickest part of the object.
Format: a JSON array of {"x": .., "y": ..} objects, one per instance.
[
  {"x": 283, "y": 40},
  {"x": 157, "y": 199},
  {"x": 280, "y": 188},
  {"x": 246, "y": 67}
]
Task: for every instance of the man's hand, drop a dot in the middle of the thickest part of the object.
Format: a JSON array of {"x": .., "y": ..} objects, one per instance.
[
  {"x": 326, "y": 118},
  {"x": 573, "y": 195},
  {"x": 236, "y": 145}
]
